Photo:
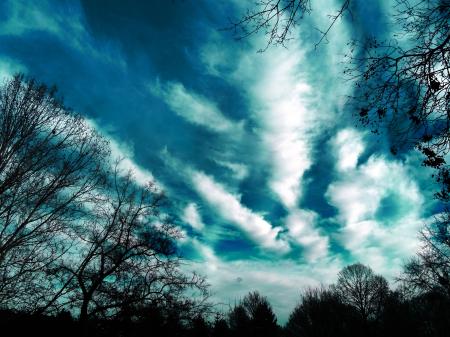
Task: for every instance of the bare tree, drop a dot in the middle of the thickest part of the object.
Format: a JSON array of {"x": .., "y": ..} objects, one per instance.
[
  {"x": 277, "y": 18},
  {"x": 50, "y": 162},
  {"x": 429, "y": 271},
  {"x": 359, "y": 287},
  {"x": 124, "y": 255}
]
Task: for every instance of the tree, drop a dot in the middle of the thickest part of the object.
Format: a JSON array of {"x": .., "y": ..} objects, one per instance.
[
  {"x": 254, "y": 317},
  {"x": 50, "y": 162},
  {"x": 220, "y": 327},
  {"x": 125, "y": 254},
  {"x": 199, "y": 327},
  {"x": 360, "y": 288},
  {"x": 321, "y": 312},
  {"x": 430, "y": 269},
  {"x": 239, "y": 321}
]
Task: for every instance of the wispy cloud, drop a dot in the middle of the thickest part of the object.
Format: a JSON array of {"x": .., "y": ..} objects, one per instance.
[
  {"x": 23, "y": 17},
  {"x": 230, "y": 208},
  {"x": 239, "y": 171},
  {"x": 279, "y": 103},
  {"x": 194, "y": 108},
  {"x": 283, "y": 106},
  {"x": 300, "y": 224},
  {"x": 349, "y": 146},
  {"x": 9, "y": 67},
  {"x": 192, "y": 216}
]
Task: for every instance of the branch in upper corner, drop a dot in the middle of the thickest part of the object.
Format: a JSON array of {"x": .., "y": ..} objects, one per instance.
[{"x": 276, "y": 19}]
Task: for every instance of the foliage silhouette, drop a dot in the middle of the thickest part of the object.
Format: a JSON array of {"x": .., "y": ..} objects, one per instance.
[{"x": 321, "y": 312}]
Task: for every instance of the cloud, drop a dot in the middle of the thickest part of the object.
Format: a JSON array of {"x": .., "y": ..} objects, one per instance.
[
  {"x": 349, "y": 146},
  {"x": 285, "y": 108},
  {"x": 193, "y": 217},
  {"x": 300, "y": 224},
  {"x": 194, "y": 108},
  {"x": 51, "y": 17},
  {"x": 9, "y": 67},
  {"x": 24, "y": 16},
  {"x": 280, "y": 104},
  {"x": 379, "y": 205},
  {"x": 229, "y": 207},
  {"x": 240, "y": 171}
]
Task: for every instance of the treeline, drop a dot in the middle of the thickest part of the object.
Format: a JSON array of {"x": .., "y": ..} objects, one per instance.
[
  {"x": 360, "y": 303},
  {"x": 86, "y": 250}
]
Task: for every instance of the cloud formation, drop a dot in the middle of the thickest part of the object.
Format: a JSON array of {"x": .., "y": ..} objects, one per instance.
[
  {"x": 379, "y": 204},
  {"x": 229, "y": 207},
  {"x": 193, "y": 107},
  {"x": 193, "y": 217}
]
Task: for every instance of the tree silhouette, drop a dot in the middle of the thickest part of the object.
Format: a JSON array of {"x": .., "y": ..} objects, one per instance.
[
  {"x": 321, "y": 313},
  {"x": 50, "y": 160},
  {"x": 199, "y": 327},
  {"x": 360, "y": 288},
  {"x": 429, "y": 270},
  {"x": 239, "y": 321},
  {"x": 124, "y": 254},
  {"x": 253, "y": 316},
  {"x": 220, "y": 327}
]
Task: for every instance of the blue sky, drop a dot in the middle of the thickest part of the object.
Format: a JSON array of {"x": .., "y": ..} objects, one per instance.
[{"x": 273, "y": 184}]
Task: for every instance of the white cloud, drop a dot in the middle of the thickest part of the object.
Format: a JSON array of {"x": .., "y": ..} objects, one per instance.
[
  {"x": 193, "y": 217},
  {"x": 194, "y": 108},
  {"x": 229, "y": 207},
  {"x": 240, "y": 171},
  {"x": 285, "y": 109},
  {"x": 280, "y": 103},
  {"x": 300, "y": 224},
  {"x": 349, "y": 146},
  {"x": 358, "y": 194}
]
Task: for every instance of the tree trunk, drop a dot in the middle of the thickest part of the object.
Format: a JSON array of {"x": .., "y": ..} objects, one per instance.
[{"x": 83, "y": 319}]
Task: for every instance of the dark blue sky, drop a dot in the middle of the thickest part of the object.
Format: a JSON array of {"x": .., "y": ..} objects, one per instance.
[{"x": 273, "y": 185}]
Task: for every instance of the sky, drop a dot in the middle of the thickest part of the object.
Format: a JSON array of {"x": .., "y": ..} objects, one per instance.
[{"x": 271, "y": 180}]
